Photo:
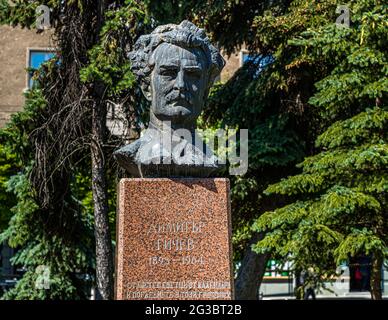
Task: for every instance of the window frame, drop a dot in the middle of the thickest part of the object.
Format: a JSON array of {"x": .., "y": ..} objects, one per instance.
[
  {"x": 30, "y": 50},
  {"x": 242, "y": 52}
]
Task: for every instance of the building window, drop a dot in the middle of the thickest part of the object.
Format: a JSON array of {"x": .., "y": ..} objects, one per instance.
[
  {"x": 258, "y": 59},
  {"x": 35, "y": 58}
]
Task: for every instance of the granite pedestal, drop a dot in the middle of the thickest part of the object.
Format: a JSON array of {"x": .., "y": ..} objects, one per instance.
[{"x": 174, "y": 239}]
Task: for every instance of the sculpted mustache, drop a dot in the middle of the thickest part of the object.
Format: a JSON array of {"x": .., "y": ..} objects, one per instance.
[{"x": 176, "y": 95}]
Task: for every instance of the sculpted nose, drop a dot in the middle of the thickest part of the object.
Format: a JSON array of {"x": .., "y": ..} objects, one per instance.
[{"x": 179, "y": 82}]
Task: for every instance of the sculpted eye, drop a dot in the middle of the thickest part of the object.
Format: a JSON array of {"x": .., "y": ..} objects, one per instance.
[
  {"x": 168, "y": 73},
  {"x": 194, "y": 73}
]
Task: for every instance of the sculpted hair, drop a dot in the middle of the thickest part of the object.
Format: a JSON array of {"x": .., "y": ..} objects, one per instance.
[{"x": 186, "y": 35}]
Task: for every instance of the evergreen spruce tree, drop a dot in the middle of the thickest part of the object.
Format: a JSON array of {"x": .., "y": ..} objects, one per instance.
[{"x": 341, "y": 195}]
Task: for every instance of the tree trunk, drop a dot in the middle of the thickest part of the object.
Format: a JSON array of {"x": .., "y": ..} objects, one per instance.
[
  {"x": 375, "y": 280},
  {"x": 104, "y": 256},
  {"x": 251, "y": 272}
]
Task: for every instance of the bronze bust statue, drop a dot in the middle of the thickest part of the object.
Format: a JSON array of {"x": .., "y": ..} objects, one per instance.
[{"x": 175, "y": 65}]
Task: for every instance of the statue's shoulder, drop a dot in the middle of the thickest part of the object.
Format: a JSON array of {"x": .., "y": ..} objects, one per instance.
[
  {"x": 129, "y": 151},
  {"x": 127, "y": 156}
]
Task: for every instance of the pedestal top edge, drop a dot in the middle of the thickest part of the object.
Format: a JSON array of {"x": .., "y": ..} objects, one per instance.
[{"x": 172, "y": 179}]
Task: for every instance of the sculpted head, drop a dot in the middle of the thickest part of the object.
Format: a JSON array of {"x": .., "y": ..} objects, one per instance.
[{"x": 176, "y": 65}]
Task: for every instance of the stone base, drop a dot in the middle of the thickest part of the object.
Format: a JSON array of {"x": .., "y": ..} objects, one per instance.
[{"x": 174, "y": 239}]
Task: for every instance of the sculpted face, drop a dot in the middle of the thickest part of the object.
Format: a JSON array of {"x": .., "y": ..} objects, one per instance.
[{"x": 178, "y": 84}]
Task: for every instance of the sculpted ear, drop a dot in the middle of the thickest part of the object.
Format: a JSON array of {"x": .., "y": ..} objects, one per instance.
[
  {"x": 210, "y": 81},
  {"x": 145, "y": 81},
  {"x": 146, "y": 89}
]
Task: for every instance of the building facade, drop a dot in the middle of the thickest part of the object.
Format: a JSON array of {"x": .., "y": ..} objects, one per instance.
[
  {"x": 353, "y": 282},
  {"x": 19, "y": 49}
]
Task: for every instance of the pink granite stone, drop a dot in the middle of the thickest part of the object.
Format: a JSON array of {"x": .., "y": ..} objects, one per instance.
[{"x": 174, "y": 239}]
